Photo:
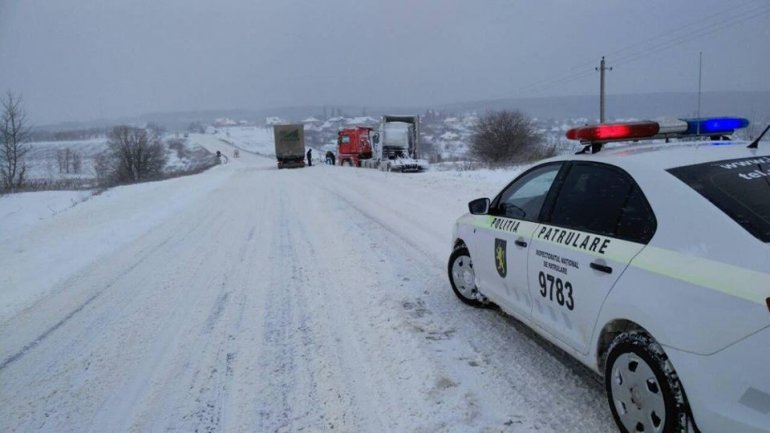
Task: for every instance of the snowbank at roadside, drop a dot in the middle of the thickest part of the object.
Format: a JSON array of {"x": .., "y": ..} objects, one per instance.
[
  {"x": 21, "y": 212},
  {"x": 46, "y": 237}
]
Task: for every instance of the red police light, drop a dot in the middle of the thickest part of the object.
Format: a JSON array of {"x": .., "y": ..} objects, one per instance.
[{"x": 614, "y": 131}]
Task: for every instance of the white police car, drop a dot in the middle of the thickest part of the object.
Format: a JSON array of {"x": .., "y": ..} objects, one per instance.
[{"x": 648, "y": 263}]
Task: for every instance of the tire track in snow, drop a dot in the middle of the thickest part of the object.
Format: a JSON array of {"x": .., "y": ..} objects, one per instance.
[
  {"x": 31, "y": 345},
  {"x": 205, "y": 400},
  {"x": 379, "y": 377},
  {"x": 288, "y": 396},
  {"x": 141, "y": 257},
  {"x": 212, "y": 373},
  {"x": 483, "y": 340},
  {"x": 124, "y": 405}
]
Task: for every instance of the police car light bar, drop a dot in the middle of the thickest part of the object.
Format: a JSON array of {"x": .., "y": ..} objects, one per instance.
[
  {"x": 614, "y": 131},
  {"x": 716, "y": 125},
  {"x": 596, "y": 135}
]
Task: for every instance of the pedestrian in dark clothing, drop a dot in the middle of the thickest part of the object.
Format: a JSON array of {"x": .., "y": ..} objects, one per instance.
[
  {"x": 310, "y": 157},
  {"x": 330, "y": 157}
]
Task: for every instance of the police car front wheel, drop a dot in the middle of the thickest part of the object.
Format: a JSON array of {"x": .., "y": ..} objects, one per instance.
[
  {"x": 463, "y": 278},
  {"x": 644, "y": 392}
]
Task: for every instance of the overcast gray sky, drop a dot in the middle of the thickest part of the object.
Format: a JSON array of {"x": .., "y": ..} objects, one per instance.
[{"x": 88, "y": 59}]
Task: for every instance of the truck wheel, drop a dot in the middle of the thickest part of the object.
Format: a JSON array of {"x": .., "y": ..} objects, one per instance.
[
  {"x": 463, "y": 278},
  {"x": 644, "y": 391}
]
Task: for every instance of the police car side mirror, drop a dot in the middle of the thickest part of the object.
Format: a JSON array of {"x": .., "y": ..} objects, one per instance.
[{"x": 480, "y": 206}]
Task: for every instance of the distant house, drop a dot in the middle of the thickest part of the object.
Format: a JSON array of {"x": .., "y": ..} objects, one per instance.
[
  {"x": 362, "y": 120},
  {"x": 224, "y": 122},
  {"x": 273, "y": 120}
]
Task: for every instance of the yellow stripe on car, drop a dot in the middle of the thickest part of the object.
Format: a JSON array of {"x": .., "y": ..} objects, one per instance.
[{"x": 733, "y": 280}]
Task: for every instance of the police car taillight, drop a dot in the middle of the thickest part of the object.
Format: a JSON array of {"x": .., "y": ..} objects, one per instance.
[{"x": 614, "y": 131}]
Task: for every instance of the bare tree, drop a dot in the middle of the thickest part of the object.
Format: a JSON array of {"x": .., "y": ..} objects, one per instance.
[
  {"x": 505, "y": 137},
  {"x": 136, "y": 154},
  {"x": 63, "y": 157},
  {"x": 14, "y": 133},
  {"x": 104, "y": 167},
  {"x": 77, "y": 162}
]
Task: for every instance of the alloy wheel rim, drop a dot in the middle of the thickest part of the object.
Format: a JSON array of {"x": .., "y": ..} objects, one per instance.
[
  {"x": 464, "y": 277},
  {"x": 637, "y": 395}
]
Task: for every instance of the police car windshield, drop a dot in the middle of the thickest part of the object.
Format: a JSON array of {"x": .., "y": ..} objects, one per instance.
[{"x": 739, "y": 187}]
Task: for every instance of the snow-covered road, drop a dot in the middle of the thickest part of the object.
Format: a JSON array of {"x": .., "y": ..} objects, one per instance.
[{"x": 248, "y": 299}]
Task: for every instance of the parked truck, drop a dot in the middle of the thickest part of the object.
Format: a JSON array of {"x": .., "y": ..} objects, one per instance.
[
  {"x": 354, "y": 145},
  {"x": 396, "y": 145},
  {"x": 289, "y": 145}
]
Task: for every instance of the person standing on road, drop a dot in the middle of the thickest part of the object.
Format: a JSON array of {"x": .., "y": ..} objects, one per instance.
[{"x": 310, "y": 157}]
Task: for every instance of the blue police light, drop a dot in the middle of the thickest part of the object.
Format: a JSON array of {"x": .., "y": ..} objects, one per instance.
[{"x": 714, "y": 125}]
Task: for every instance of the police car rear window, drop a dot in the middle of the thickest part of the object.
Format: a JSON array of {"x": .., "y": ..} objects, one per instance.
[{"x": 739, "y": 187}]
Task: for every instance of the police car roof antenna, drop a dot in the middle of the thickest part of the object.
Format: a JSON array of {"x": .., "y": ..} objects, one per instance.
[{"x": 755, "y": 144}]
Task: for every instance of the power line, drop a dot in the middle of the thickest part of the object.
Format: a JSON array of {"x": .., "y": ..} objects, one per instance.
[
  {"x": 705, "y": 27},
  {"x": 747, "y": 15},
  {"x": 694, "y": 35},
  {"x": 718, "y": 17}
]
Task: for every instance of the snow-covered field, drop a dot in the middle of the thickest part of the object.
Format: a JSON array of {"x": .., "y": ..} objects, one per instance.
[
  {"x": 254, "y": 139},
  {"x": 248, "y": 299},
  {"x": 43, "y": 158},
  {"x": 42, "y": 162}
]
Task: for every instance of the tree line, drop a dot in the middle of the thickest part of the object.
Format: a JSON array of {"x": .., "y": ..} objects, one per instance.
[{"x": 133, "y": 154}]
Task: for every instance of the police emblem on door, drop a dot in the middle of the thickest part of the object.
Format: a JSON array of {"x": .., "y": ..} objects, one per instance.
[{"x": 501, "y": 261}]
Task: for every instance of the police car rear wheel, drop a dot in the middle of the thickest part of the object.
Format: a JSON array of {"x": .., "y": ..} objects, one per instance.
[
  {"x": 463, "y": 278},
  {"x": 643, "y": 389}
]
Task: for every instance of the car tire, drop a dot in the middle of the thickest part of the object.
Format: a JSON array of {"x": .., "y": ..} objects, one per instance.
[
  {"x": 643, "y": 389},
  {"x": 462, "y": 278}
]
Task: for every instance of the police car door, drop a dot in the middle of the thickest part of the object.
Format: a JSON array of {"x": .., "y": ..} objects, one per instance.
[
  {"x": 500, "y": 258},
  {"x": 597, "y": 223}
]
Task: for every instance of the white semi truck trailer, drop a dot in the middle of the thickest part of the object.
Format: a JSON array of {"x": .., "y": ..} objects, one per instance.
[{"x": 396, "y": 145}]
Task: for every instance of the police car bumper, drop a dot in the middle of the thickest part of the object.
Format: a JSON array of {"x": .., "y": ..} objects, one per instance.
[{"x": 728, "y": 391}]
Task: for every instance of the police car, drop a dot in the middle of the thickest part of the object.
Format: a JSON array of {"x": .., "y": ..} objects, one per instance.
[{"x": 649, "y": 263}]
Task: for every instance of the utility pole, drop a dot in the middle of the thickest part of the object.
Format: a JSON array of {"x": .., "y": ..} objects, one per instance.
[{"x": 601, "y": 70}]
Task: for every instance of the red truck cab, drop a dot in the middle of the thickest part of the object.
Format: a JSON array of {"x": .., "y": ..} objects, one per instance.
[{"x": 353, "y": 145}]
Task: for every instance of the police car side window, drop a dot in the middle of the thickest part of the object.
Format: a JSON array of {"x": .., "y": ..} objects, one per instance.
[
  {"x": 637, "y": 223},
  {"x": 603, "y": 200},
  {"x": 591, "y": 199},
  {"x": 524, "y": 198}
]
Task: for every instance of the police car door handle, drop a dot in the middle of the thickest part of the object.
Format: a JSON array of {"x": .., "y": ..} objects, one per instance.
[
  {"x": 520, "y": 243},
  {"x": 601, "y": 268}
]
